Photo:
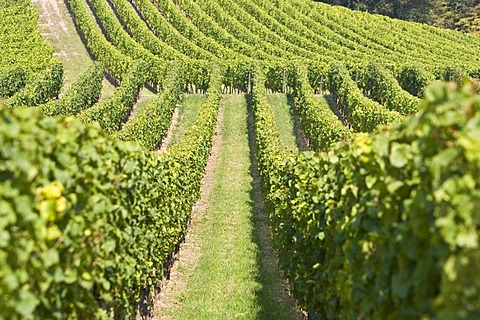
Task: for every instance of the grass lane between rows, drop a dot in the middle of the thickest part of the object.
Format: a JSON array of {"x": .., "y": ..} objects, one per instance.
[
  {"x": 236, "y": 275},
  {"x": 284, "y": 120}
]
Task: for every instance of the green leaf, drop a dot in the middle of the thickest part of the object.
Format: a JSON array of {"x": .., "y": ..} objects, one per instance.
[
  {"x": 399, "y": 155},
  {"x": 51, "y": 258},
  {"x": 400, "y": 286},
  {"x": 467, "y": 239},
  {"x": 393, "y": 186},
  {"x": 26, "y": 304},
  {"x": 70, "y": 275},
  {"x": 450, "y": 268},
  {"x": 370, "y": 181}
]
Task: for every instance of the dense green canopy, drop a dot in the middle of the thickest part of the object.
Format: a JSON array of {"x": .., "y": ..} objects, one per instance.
[{"x": 455, "y": 14}]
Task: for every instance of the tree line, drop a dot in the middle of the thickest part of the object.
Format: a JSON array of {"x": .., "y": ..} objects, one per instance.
[{"x": 462, "y": 15}]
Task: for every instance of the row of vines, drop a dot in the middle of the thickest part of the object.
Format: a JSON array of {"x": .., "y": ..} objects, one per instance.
[
  {"x": 380, "y": 220},
  {"x": 386, "y": 225}
]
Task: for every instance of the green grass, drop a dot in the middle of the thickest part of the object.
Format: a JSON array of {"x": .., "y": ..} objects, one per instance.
[
  {"x": 108, "y": 89},
  {"x": 283, "y": 119},
  {"x": 328, "y": 100},
  {"x": 235, "y": 276},
  {"x": 145, "y": 96},
  {"x": 189, "y": 108},
  {"x": 325, "y": 99}
]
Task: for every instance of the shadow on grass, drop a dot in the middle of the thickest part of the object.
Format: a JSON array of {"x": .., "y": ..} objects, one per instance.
[
  {"x": 272, "y": 296},
  {"x": 300, "y": 139},
  {"x": 330, "y": 100}
]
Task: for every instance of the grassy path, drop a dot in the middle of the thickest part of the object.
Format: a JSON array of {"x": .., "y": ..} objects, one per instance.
[
  {"x": 287, "y": 121},
  {"x": 284, "y": 119},
  {"x": 328, "y": 100},
  {"x": 229, "y": 269},
  {"x": 57, "y": 26},
  {"x": 233, "y": 273},
  {"x": 188, "y": 111}
]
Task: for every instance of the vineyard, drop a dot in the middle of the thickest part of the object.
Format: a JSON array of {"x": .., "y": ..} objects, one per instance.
[{"x": 363, "y": 133}]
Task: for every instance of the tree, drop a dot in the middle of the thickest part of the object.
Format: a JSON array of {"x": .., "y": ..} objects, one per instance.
[
  {"x": 460, "y": 14},
  {"x": 455, "y": 14},
  {"x": 471, "y": 22},
  {"x": 404, "y": 9}
]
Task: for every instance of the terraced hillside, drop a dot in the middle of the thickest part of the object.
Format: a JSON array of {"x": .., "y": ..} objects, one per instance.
[{"x": 378, "y": 220}]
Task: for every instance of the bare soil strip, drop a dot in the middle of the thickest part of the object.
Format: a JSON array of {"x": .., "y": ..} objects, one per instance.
[
  {"x": 58, "y": 28},
  {"x": 52, "y": 17}
]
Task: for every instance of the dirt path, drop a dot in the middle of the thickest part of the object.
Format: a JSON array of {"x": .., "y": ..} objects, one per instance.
[
  {"x": 52, "y": 17},
  {"x": 57, "y": 27},
  {"x": 54, "y": 26},
  {"x": 189, "y": 250}
]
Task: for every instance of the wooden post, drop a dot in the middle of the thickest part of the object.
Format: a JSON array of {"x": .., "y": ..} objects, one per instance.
[
  {"x": 249, "y": 85},
  {"x": 284, "y": 82},
  {"x": 321, "y": 84}
]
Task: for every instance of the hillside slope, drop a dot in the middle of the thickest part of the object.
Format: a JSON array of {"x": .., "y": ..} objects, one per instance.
[{"x": 378, "y": 221}]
